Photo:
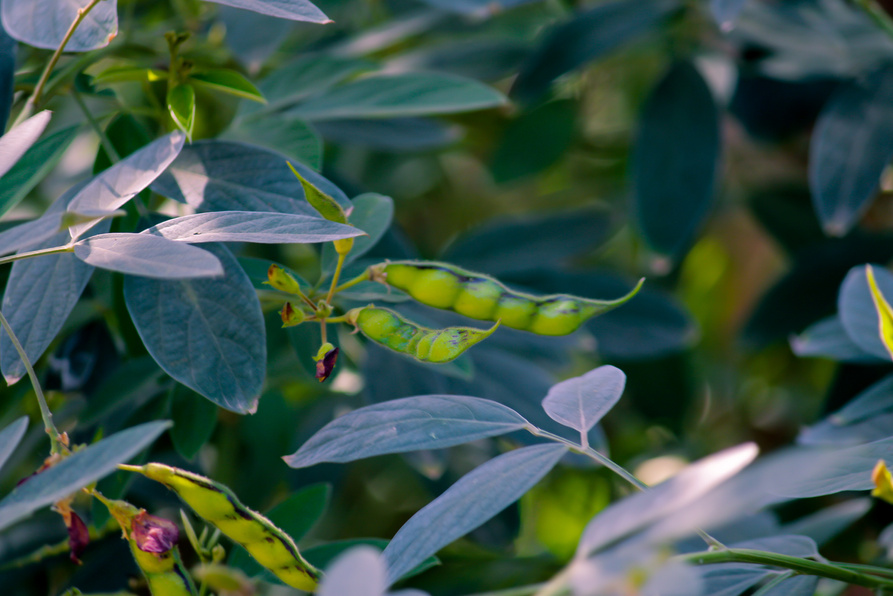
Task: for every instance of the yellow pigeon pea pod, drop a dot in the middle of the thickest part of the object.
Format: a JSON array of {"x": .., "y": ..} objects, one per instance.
[
  {"x": 481, "y": 297},
  {"x": 389, "y": 329},
  {"x": 269, "y": 545}
]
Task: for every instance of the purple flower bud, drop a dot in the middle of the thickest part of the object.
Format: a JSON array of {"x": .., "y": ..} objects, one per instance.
[
  {"x": 154, "y": 534},
  {"x": 78, "y": 535}
]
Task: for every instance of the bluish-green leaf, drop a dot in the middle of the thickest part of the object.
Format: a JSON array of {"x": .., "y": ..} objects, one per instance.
[
  {"x": 114, "y": 187},
  {"x": 206, "y": 333},
  {"x": 799, "y": 585},
  {"x": 295, "y": 10},
  {"x": 194, "y": 419},
  {"x": 291, "y": 137},
  {"x": 77, "y": 471},
  {"x": 389, "y": 134},
  {"x": 580, "y": 402},
  {"x": 7, "y": 75},
  {"x": 322, "y": 554},
  {"x": 587, "y": 36},
  {"x": 33, "y": 167},
  {"x": 228, "y": 81},
  {"x": 215, "y": 175},
  {"x": 850, "y": 147},
  {"x": 857, "y": 312},
  {"x": 44, "y": 23},
  {"x": 676, "y": 160},
  {"x": 372, "y": 213},
  {"x": 867, "y": 417},
  {"x": 535, "y": 140},
  {"x": 726, "y": 11},
  {"x": 829, "y": 339},
  {"x": 480, "y": 8},
  {"x": 147, "y": 255},
  {"x": 831, "y": 469},
  {"x": 17, "y": 141},
  {"x": 359, "y": 571},
  {"x": 408, "y": 424},
  {"x": 410, "y": 94},
  {"x": 10, "y": 437},
  {"x": 475, "y": 498},
  {"x": 252, "y": 226}
]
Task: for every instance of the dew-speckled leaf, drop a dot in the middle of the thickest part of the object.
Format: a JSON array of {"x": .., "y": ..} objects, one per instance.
[
  {"x": 675, "y": 160},
  {"x": 194, "y": 419},
  {"x": 44, "y": 23},
  {"x": 829, "y": 339},
  {"x": 408, "y": 424},
  {"x": 147, "y": 255},
  {"x": 114, "y": 187},
  {"x": 371, "y": 213},
  {"x": 252, "y": 226},
  {"x": 18, "y": 140},
  {"x": 850, "y": 147},
  {"x": 216, "y": 175},
  {"x": 475, "y": 498},
  {"x": 77, "y": 471},
  {"x": 359, "y": 571},
  {"x": 10, "y": 437},
  {"x": 33, "y": 166},
  {"x": 206, "y": 333},
  {"x": 587, "y": 36},
  {"x": 7, "y": 75},
  {"x": 857, "y": 311},
  {"x": 410, "y": 94},
  {"x": 580, "y": 402},
  {"x": 294, "y": 10}
]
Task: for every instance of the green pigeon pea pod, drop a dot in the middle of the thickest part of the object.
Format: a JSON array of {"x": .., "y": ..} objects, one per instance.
[
  {"x": 269, "y": 545},
  {"x": 481, "y": 297},
  {"x": 392, "y": 331}
]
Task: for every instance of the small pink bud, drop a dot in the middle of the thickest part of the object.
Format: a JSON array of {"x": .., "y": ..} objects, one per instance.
[{"x": 154, "y": 534}]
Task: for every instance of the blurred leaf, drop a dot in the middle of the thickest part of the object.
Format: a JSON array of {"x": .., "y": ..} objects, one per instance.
[
  {"x": 827, "y": 523},
  {"x": 531, "y": 242},
  {"x": 251, "y": 36},
  {"x": 321, "y": 555},
  {"x": 194, "y": 419},
  {"x": 475, "y": 498},
  {"x": 128, "y": 74},
  {"x": 10, "y": 437},
  {"x": 359, "y": 571},
  {"x": 410, "y": 94},
  {"x": 476, "y": 7},
  {"x": 372, "y": 213},
  {"x": 851, "y": 146},
  {"x": 148, "y": 256},
  {"x": 18, "y": 140},
  {"x": 726, "y": 11},
  {"x": 181, "y": 107},
  {"x": 587, "y": 36},
  {"x": 227, "y": 81},
  {"x": 251, "y": 226},
  {"x": 463, "y": 57},
  {"x": 829, "y": 339},
  {"x": 215, "y": 175},
  {"x": 26, "y": 21},
  {"x": 206, "y": 333},
  {"x": 535, "y": 140},
  {"x": 295, "y": 10},
  {"x": 857, "y": 310},
  {"x": 675, "y": 161},
  {"x": 77, "y": 471},
  {"x": 128, "y": 387},
  {"x": 580, "y": 402},
  {"x": 868, "y": 417},
  {"x": 786, "y": 213},
  {"x": 389, "y": 134},
  {"x": 803, "y": 585},
  {"x": 33, "y": 167},
  {"x": 408, "y": 424},
  {"x": 114, "y": 187},
  {"x": 7, "y": 75},
  {"x": 127, "y": 135},
  {"x": 289, "y": 136}
]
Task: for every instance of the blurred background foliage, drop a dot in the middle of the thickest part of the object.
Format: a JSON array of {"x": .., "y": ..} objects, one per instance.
[{"x": 640, "y": 138}]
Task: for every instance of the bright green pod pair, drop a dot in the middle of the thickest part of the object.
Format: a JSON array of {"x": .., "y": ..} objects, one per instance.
[
  {"x": 269, "y": 545},
  {"x": 481, "y": 297},
  {"x": 392, "y": 331}
]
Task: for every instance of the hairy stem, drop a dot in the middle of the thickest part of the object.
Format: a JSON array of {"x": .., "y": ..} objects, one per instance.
[
  {"x": 335, "y": 278},
  {"x": 103, "y": 138}
]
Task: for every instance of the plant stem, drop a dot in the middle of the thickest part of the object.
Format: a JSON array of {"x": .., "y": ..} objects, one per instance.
[
  {"x": 349, "y": 284},
  {"x": 796, "y": 564},
  {"x": 876, "y": 14},
  {"x": 36, "y": 253},
  {"x": 335, "y": 277},
  {"x": 32, "y": 102},
  {"x": 57, "y": 444},
  {"x": 103, "y": 138}
]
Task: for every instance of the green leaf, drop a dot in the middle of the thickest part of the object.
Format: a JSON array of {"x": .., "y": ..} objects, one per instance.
[
  {"x": 194, "y": 419},
  {"x": 323, "y": 203},
  {"x": 865, "y": 321},
  {"x": 411, "y": 94},
  {"x": 228, "y": 81},
  {"x": 295, "y": 10},
  {"x": 15, "y": 143},
  {"x": 251, "y": 226},
  {"x": 292, "y": 137},
  {"x": 372, "y": 213},
  {"x": 550, "y": 128},
  {"x": 181, "y": 106},
  {"x": 147, "y": 255},
  {"x": 45, "y": 23},
  {"x": 10, "y": 437},
  {"x": 127, "y": 74}
]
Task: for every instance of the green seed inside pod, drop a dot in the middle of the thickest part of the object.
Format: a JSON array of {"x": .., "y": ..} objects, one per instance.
[
  {"x": 515, "y": 311},
  {"x": 558, "y": 316},
  {"x": 478, "y": 298},
  {"x": 434, "y": 287}
]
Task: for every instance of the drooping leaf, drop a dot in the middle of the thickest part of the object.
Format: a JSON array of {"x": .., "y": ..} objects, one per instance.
[
  {"x": 358, "y": 572},
  {"x": 206, "y": 333},
  {"x": 10, "y": 437},
  {"x": 148, "y": 256},
  {"x": 475, "y": 498},
  {"x": 372, "y": 213},
  {"x": 181, "y": 107},
  {"x": 857, "y": 310},
  {"x": 215, "y": 175},
  {"x": 850, "y": 147},
  {"x": 295, "y": 10},
  {"x": 77, "y": 471},
  {"x": 867, "y": 417},
  {"x": 726, "y": 11},
  {"x": 33, "y": 167},
  {"x": 114, "y": 187},
  {"x": 580, "y": 402},
  {"x": 194, "y": 419},
  {"x": 7, "y": 75},
  {"x": 228, "y": 81},
  {"x": 676, "y": 160},
  {"x": 410, "y": 94},
  {"x": 829, "y": 339},
  {"x": 641, "y": 509},
  {"x": 587, "y": 36},
  {"x": 17, "y": 141},
  {"x": 44, "y": 23},
  {"x": 408, "y": 424},
  {"x": 251, "y": 226}
]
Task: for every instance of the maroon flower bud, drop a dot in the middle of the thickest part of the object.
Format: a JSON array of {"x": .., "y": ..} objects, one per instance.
[
  {"x": 78, "y": 535},
  {"x": 153, "y": 534},
  {"x": 325, "y": 361}
]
